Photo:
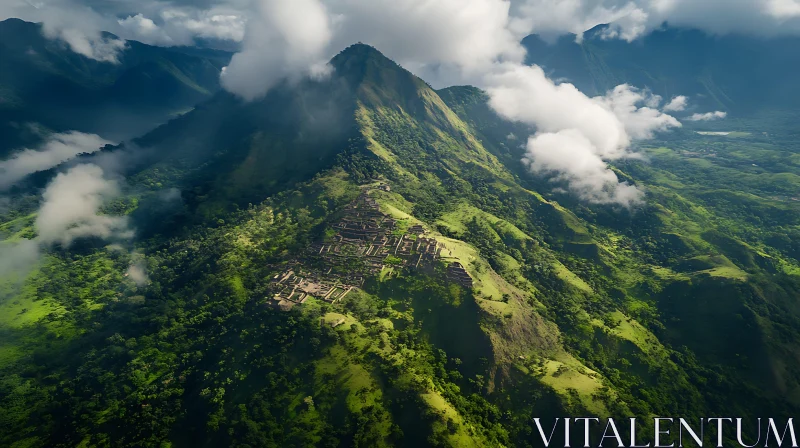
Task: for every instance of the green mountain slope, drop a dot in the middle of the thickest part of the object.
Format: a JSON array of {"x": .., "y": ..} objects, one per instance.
[
  {"x": 683, "y": 308},
  {"x": 43, "y": 82},
  {"x": 699, "y": 255}
]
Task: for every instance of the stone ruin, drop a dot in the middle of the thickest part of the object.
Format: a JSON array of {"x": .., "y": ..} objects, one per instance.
[{"x": 366, "y": 242}]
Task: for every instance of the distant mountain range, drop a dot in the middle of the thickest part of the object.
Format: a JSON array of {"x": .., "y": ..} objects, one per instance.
[
  {"x": 735, "y": 73},
  {"x": 42, "y": 81}
]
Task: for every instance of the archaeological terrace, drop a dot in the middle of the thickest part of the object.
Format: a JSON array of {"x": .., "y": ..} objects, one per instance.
[{"x": 366, "y": 243}]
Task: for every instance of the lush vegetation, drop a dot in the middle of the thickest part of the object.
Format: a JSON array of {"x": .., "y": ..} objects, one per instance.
[{"x": 685, "y": 306}]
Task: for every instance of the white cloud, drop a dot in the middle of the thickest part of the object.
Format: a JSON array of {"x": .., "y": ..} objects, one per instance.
[
  {"x": 465, "y": 41},
  {"x": 469, "y": 34},
  {"x": 170, "y": 195},
  {"x": 641, "y": 122},
  {"x": 70, "y": 209},
  {"x": 464, "y": 37},
  {"x": 577, "y": 135},
  {"x": 555, "y": 17},
  {"x": 145, "y": 30},
  {"x": 57, "y": 149},
  {"x": 138, "y": 273},
  {"x": 182, "y": 26},
  {"x": 86, "y": 43},
  {"x": 72, "y": 204},
  {"x": 80, "y": 23},
  {"x": 718, "y": 115},
  {"x": 474, "y": 39},
  {"x": 630, "y": 19},
  {"x": 677, "y": 104},
  {"x": 179, "y": 21},
  {"x": 69, "y": 21},
  {"x": 573, "y": 158},
  {"x": 282, "y": 39},
  {"x": 525, "y": 94},
  {"x": 784, "y": 9},
  {"x": 217, "y": 24}
]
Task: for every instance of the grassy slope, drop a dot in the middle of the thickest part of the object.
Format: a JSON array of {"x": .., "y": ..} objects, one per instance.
[
  {"x": 512, "y": 320},
  {"x": 707, "y": 222}
]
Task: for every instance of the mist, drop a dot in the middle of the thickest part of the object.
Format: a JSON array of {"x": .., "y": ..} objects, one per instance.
[
  {"x": 478, "y": 42},
  {"x": 58, "y": 148},
  {"x": 470, "y": 42},
  {"x": 17, "y": 258},
  {"x": 71, "y": 206}
]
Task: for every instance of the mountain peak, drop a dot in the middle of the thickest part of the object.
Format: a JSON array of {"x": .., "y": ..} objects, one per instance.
[
  {"x": 14, "y": 29},
  {"x": 360, "y": 48},
  {"x": 597, "y": 30},
  {"x": 361, "y": 55},
  {"x": 12, "y": 20},
  {"x": 378, "y": 79}
]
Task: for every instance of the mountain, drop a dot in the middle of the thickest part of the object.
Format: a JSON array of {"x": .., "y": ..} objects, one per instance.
[
  {"x": 736, "y": 73},
  {"x": 243, "y": 151},
  {"x": 45, "y": 83},
  {"x": 448, "y": 295}
]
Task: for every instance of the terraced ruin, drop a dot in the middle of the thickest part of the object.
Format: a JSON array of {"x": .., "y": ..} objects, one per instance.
[{"x": 367, "y": 242}]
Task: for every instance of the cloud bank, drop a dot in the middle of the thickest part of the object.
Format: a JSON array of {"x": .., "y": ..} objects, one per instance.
[
  {"x": 180, "y": 26},
  {"x": 179, "y": 22},
  {"x": 72, "y": 204},
  {"x": 470, "y": 35},
  {"x": 71, "y": 208},
  {"x": 572, "y": 158},
  {"x": 75, "y": 24},
  {"x": 80, "y": 24},
  {"x": 473, "y": 41},
  {"x": 82, "y": 30},
  {"x": 92, "y": 45},
  {"x": 57, "y": 149},
  {"x": 630, "y": 19},
  {"x": 577, "y": 135},
  {"x": 469, "y": 42},
  {"x": 282, "y": 40}
]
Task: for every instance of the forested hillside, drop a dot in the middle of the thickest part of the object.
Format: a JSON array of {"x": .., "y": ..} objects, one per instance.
[{"x": 532, "y": 304}]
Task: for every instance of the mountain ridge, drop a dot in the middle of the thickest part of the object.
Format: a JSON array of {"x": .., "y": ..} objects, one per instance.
[
  {"x": 43, "y": 82},
  {"x": 736, "y": 73}
]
